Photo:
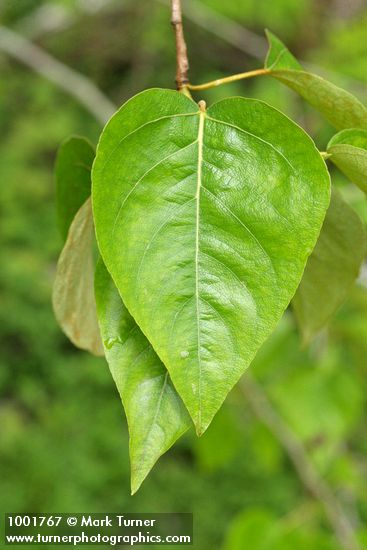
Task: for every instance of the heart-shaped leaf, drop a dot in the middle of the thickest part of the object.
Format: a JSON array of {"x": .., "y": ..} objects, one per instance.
[
  {"x": 73, "y": 179},
  {"x": 155, "y": 413},
  {"x": 73, "y": 291},
  {"x": 348, "y": 151},
  {"x": 339, "y": 107},
  {"x": 211, "y": 217},
  {"x": 332, "y": 267}
]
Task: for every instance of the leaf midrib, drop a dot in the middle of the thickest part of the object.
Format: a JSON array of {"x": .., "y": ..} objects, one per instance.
[{"x": 200, "y": 141}]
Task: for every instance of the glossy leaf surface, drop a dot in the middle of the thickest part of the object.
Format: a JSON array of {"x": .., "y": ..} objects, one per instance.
[
  {"x": 73, "y": 291},
  {"x": 211, "y": 218},
  {"x": 339, "y": 107},
  {"x": 155, "y": 413},
  {"x": 332, "y": 267},
  {"x": 348, "y": 150},
  {"x": 73, "y": 179}
]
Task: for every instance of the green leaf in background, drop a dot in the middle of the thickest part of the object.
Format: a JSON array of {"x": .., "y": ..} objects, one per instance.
[
  {"x": 155, "y": 413},
  {"x": 210, "y": 456},
  {"x": 339, "y": 107},
  {"x": 348, "y": 150},
  {"x": 73, "y": 296},
  {"x": 73, "y": 291},
  {"x": 331, "y": 269},
  {"x": 328, "y": 402},
  {"x": 73, "y": 179},
  {"x": 261, "y": 529},
  {"x": 256, "y": 528},
  {"x": 212, "y": 215}
]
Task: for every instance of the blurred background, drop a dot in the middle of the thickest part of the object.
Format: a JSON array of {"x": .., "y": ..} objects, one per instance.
[{"x": 63, "y": 434}]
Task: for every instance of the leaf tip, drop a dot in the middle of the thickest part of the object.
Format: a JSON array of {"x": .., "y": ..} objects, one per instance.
[
  {"x": 200, "y": 426},
  {"x": 268, "y": 34},
  {"x": 135, "y": 482},
  {"x": 199, "y": 431}
]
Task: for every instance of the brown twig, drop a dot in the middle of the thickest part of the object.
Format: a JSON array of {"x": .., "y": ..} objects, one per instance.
[
  {"x": 226, "y": 29},
  {"x": 308, "y": 474},
  {"x": 181, "y": 49}
]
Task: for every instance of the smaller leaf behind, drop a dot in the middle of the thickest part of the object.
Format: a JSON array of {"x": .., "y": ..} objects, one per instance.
[
  {"x": 338, "y": 106},
  {"x": 73, "y": 179},
  {"x": 155, "y": 413},
  {"x": 73, "y": 294},
  {"x": 331, "y": 269},
  {"x": 348, "y": 151}
]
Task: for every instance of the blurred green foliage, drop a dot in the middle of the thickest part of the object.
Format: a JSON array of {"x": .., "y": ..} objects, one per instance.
[{"x": 63, "y": 438}]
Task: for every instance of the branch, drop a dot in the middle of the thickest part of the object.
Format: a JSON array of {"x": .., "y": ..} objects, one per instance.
[
  {"x": 55, "y": 19},
  {"x": 308, "y": 474},
  {"x": 181, "y": 49},
  {"x": 72, "y": 82},
  {"x": 224, "y": 28},
  {"x": 248, "y": 41}
]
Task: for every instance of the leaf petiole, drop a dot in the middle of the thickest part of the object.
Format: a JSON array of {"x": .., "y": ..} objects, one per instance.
[
  {"x": 325, "y": 155},
  {"x": 185, "y": 91},
  {"x": 227, "y": 79}
]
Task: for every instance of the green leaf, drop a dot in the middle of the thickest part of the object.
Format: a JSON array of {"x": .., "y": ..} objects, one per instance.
[
  {"x": 73, "y": 294},
  {"x": 348, "y": 150},
  {"x": 205, "y": 221},
  {"x": 256, "y": 528},
  {"x": 260, "y": 529},
  {"x": 210, "y": 456},
  {"x": 331, "y": 269},
  {"x": 73, "y": 291},
  {"x": 339, "y": 107},
  {"x": 73, "y": 179},
  {"x": 155, "y": 413},
  {"x": 278, "y": 56}
]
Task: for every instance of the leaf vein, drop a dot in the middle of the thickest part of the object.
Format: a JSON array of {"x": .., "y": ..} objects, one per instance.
[
  {"x": 229, "y": 332},
  {"x": 139, "y": 128},
  {"x": 254, "y": 136},
  {"x": 176, "y": 316},
  {"x": 167, "y": 220},
  {"x": 232, "y": 272},
  {"x": 248, "y": 230},
  {"x": 143, "y": 176},
  {"x": 158, "y": 407}
]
